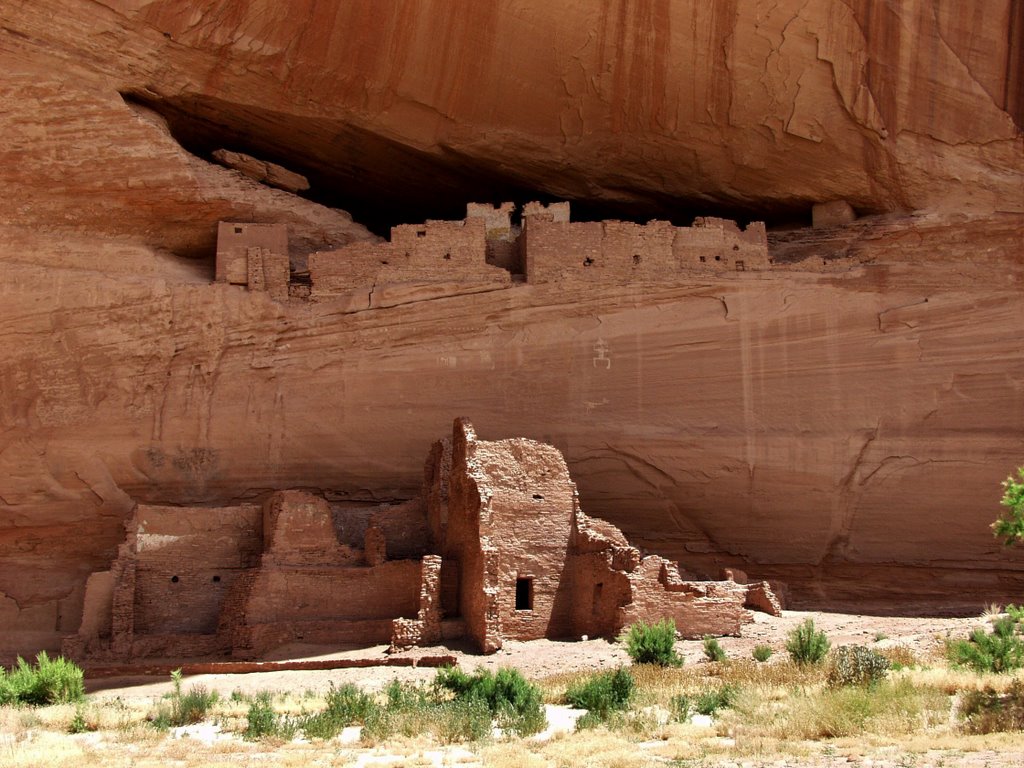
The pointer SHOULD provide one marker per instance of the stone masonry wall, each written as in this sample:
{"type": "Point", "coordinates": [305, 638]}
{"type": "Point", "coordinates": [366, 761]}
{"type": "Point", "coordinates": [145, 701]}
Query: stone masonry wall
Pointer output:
{"type": "Point", "coordinates": [254, 255]}
{"type": "Point", "coordinates": [434, 252]}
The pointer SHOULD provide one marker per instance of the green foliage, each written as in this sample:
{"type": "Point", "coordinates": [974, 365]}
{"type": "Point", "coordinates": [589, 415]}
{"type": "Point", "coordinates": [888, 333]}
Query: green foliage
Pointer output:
{"type": "Point", "coordinates": [806, 645]}
{"type": "Point", "coordinates": [998, 651]}
{"type": "Point", "coordinates": [856, 665]}
{"type": "Point", "coordinates": [762, 652]}
{"type": "Point", "coordinates": [709, 702]}
{"type": "Point", "coordinates": [346, 706]}
{"type": "Point", "coordinates": [681, 707]}
{"type": "Point", "coordinates": [653, 644]}
{"type": "Point", "coordinates": [78, 723]}
{"type": "Point", "coordinates": [261, 720]}
{"type": "Point", "coordinates": [49, 681]}
{"type": "Point", "coordinates": [1010, 525]}
{"type": "Point", "coordinates": [988, 712]}
{"type": "Point", "coordinates": [602, 694]}
{"type": "Point", "coordinates": [1015, 612]}
{"type": "Point", "coordinates": [414, 710]}
{"type": "Point", "coordinates": [516, 704]}
{"type": "Point", "coordinates": [184, 708]}
{"type": "Point", "coordinates": [713, 651]}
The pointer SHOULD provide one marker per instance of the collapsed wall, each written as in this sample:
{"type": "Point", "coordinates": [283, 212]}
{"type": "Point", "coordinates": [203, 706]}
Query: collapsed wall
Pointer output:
{"type": "Point", "coordinates": [496, 548]}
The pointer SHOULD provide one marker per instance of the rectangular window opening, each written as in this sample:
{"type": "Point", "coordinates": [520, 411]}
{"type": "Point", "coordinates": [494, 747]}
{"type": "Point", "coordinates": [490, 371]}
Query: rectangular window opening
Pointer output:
{"type": "Point", "coordinates": [524, 594]}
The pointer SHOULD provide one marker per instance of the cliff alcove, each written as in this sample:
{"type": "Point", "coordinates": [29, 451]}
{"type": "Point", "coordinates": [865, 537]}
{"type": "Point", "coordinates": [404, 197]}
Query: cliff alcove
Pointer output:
{"type": "Point", "coordinates": [838, 420]}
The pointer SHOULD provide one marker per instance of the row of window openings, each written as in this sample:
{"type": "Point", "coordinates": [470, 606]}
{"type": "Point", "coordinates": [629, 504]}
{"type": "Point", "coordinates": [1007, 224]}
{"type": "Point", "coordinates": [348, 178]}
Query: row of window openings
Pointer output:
{"type": "Point", "coordinates": [740, 266]}
{"type": "Point", "coordinates": [175, 579]}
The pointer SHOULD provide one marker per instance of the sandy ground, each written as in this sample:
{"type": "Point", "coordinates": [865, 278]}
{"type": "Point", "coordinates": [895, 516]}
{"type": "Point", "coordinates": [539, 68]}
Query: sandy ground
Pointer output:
{"type": "Point", "coordinates": [207, 747]}
{"type": "Point", "coordinates": [540, 658]}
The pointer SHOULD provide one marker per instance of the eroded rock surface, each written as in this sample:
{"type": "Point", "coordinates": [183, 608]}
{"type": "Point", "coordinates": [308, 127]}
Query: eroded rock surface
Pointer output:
{"type": "Point", "coordinates": [840, 421]}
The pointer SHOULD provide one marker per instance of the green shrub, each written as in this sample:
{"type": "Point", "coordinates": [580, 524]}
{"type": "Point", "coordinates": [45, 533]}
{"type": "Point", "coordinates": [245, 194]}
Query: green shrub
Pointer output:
{"type": "Point", "coordinates": [806, 645]}
{"type": "Point", "coordinates": [516, 704]}
{"type": "Point", "coordinates": [653, 644]}
{"type": "Point", "coordinates": [681, 707]}
{"type": "Point", "coordinates": [412, 711]}
{"type": "Point", "coordinates": [603, 693]}
{"type": "Point", "coordinates": [184, 708]}
{"type": "Point", "coordinates": [989, 712]}
{"type": "Point", "coordinates": [1009, 526]}
{"type": "Point", "coordinates": [78, 723]}
{"type": "Point", "coordinates": [709, 702]}
{"type": "Point", "coordinates": [346, 706]}
{"type": "Point", "coordinates": [713, 651]}
{"type": "Point", "coordinates": [762, 652]}
{"type": "Point", "coordinates": [998, 651]}
{"type": "Point", "coordinates": [856, 665]}
{"type": "Point", "coordinates": [49, 681]}
{"type": "Point", "coordinates": [261, 720]}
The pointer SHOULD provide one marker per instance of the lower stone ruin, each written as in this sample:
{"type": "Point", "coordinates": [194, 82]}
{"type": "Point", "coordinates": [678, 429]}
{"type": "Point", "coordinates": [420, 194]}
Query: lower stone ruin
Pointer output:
{"type": "Point", "coordinates": [495, 548]}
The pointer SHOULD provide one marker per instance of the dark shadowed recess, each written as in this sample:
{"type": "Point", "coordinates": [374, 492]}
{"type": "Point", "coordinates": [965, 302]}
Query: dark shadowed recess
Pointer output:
{"type": "Point", "coordinates": [383, 183]}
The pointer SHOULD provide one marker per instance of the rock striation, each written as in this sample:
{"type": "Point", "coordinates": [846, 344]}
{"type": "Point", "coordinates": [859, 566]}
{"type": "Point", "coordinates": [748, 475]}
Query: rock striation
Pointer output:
{"type": "Point", "coordinates": [839, 419]}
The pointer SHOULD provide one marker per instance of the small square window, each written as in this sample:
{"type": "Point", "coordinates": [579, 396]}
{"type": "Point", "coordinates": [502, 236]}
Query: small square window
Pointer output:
{"type": "Point", "coordinates": [238, 230]}
{"type": "Point", "coordinates": [524, 594]}
{"type": "Point", "coordinates": [703, 259]}
{"type": "Point", "coordinates": [740, 266]}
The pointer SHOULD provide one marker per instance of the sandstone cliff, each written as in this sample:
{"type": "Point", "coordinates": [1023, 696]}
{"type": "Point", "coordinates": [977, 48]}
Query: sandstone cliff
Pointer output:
{"type": "Point", "coordinates": [841, 423]}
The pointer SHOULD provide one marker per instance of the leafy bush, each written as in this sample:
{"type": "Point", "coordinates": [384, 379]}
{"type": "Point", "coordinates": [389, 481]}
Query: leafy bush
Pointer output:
{"type": "Point", "coordinates": [856, 665]}
{"type": "Point", "coordinates": [517, 704]}
{"type": "Point", "coordinates": [346, 706]}
{"type": "Point", "coordinates": [1000, 651]}
{"type": "Point", "coordinates": [762, 653]}
{"type": "Point", "coordinates": [184, 708]}
{"type": "Point", "coordinates": [603, 693]}
{"type": "Point", "coordinates": [709, 702]}
{"type": "Point", "coordinates": [713, 651]}
{"type": "Point", "coordinates": [262, 721]}
{"type": "Point", "coordinates": [49, 681]}
{"type": "Point", "coordinates": [653, 644]}
{"type": "Point", "coordinates": [806, 645]}
{"type": "Point", "coordinates": [1010, 525]}
{"type": "Point", "coordinates": [989, 712]}
{"type": "Point", "coordinates": [412, 711]}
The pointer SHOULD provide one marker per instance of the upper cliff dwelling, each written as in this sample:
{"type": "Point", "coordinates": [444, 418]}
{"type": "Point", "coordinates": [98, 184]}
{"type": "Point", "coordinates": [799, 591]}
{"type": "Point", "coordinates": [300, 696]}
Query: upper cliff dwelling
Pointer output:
{"type": "Point", "coordinates": [484, 252]}
{"type": "Point", "coordinates": [494, 548]}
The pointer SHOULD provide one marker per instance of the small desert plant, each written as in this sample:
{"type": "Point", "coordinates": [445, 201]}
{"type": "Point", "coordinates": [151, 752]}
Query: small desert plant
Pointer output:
{"type": "Point", "coordinates": [806, 645]}
{"type": "Point", "coordinates": [880, 636]}
{"type": "Point", "coordinates": [998, 651]}
{"type": "Point", "coordinates": [653, 644]}
{"type": "Point", "coordinates": [713, 651]}
{"type": "Point", "coordinates": [261, 720]}
{"type": "Point", "coordinates": [78, 723]}
{"type": "Point", "coordinates": [517, 704]}
{"type": "Point", "coordinates": [185, 707]}
{"type": "Point", "coordinates": [988, 711]}
{"type": "Point", "coordinates": [49, 681]}
{"type": "Point", "coordinates": [762, 653]}
{"type": "Point", "coordinates": [413, 710]}
{"type": "Point", "coordinates": [681, 707]}
{"type": "Point", "coordinates": [709, 702]}
{"type": "Point", "coordinates": [346, 706]}
{"type": "Point", "coordinates": [602, 694]}
{"type": "Point", "coordinates": [856, 665]}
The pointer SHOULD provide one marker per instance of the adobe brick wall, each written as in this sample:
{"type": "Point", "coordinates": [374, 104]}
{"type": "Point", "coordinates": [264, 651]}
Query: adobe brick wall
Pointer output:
{"type": "Point", "coordinates": [267, 242]}
{"type": "Point", "coordinates": [431, 253]}
{"type": "Point", "coordinates": [557, 250]}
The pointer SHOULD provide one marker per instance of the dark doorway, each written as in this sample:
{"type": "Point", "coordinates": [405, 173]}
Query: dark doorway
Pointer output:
{"type": "Point", "coordinates": [524, 594]}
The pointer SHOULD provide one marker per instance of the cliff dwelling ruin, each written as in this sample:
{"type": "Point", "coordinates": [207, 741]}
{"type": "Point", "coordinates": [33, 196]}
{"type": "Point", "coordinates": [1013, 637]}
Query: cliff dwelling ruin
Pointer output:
{"type": "Point", "coordinates": [486, 251]}
{"type": "Point", "coordinates": [495, 547]}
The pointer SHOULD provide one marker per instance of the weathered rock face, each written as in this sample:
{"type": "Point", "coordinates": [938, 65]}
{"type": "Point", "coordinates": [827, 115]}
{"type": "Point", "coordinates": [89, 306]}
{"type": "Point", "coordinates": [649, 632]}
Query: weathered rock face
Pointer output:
{"type": "Point", "coordinates": [826, 426]}
{"type": "Point", "coordinates": [753, 105]}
